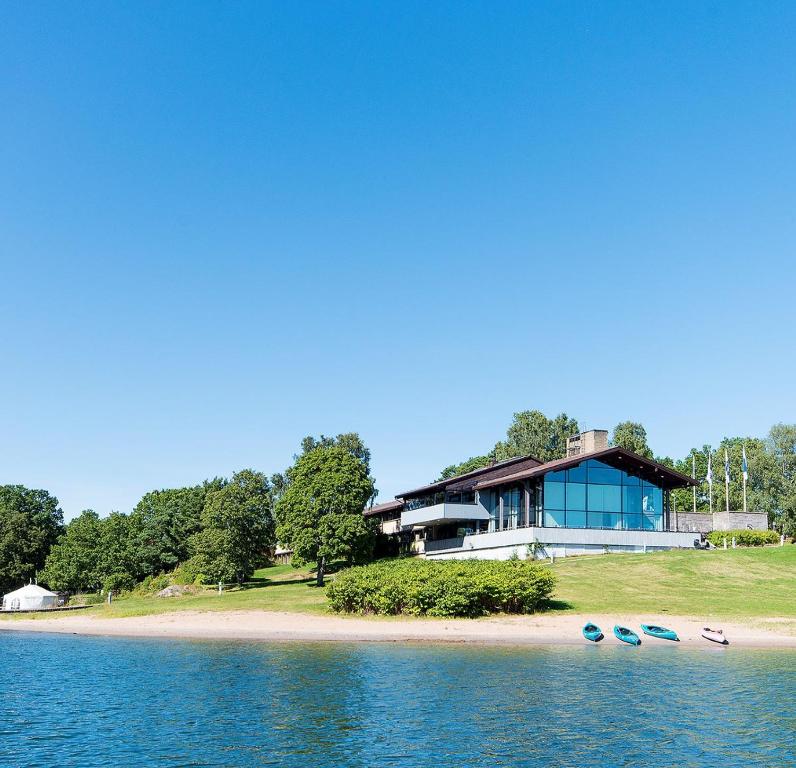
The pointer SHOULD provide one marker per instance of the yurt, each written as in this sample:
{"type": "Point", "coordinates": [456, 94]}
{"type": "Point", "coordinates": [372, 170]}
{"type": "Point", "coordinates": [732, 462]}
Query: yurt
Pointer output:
{"type": "Point", "coordinates": [31, 597]}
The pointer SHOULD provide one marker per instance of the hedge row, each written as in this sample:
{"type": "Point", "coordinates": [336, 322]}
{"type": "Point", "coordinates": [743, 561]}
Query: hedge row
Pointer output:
{"type": "Point", "coordinates": [743, 538]}
{"type": "Point", "coordinates": [442, 587]}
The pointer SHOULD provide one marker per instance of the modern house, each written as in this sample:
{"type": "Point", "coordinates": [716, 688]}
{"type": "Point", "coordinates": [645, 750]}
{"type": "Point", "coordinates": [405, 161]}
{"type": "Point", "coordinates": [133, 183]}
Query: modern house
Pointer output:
{"type": "Point", "coordinates": [595, 499]}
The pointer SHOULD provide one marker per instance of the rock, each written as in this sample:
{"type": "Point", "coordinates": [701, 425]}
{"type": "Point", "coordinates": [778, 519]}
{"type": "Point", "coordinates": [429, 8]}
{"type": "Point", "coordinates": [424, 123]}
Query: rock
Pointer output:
{"type": "Point", "coordinates": [176, 590]}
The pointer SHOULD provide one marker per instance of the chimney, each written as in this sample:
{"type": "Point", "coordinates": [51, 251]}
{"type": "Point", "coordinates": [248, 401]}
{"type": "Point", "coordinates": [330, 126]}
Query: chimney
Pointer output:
{"type": "Point", "coordinates": [587, 442]}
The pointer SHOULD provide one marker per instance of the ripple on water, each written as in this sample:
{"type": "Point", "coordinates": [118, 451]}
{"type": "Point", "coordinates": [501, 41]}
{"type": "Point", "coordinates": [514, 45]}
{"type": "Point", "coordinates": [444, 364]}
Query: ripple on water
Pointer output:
{"type": "Point", "coordinates": [92, 702]}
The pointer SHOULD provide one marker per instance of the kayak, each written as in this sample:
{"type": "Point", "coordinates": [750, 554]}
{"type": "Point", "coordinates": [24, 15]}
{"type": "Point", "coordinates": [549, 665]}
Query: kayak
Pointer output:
{"type": "Point", "coordinates": [715, 635]}
{"type": "Point", "coordinates": [627, 635]}
{"type": "Point", "coordinates": [660, 632]}
{"type": "Point", "coordinates": [592, 632]}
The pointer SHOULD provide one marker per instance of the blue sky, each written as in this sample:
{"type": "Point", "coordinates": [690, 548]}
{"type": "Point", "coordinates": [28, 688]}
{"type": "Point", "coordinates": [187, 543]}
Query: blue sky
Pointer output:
{"type": "Point", "coordinates": [225, 226]}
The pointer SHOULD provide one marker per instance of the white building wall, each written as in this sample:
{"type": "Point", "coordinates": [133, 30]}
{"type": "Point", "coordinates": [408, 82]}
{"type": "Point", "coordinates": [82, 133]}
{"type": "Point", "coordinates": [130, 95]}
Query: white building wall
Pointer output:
{"type": "Point", "coordinates": [558, 542]}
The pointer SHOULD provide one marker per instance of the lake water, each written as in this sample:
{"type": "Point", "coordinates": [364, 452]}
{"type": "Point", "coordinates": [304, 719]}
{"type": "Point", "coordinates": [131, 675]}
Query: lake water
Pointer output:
{"type": "Point", "coordinates": [73, 701]}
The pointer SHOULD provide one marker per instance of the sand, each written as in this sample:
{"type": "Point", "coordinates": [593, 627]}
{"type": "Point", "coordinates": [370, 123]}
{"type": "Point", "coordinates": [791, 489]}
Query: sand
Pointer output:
{"type": "Point", "coordinates": [551, 629]}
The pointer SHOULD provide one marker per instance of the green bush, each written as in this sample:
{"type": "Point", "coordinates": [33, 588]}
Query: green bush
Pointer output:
{"type": "Point", "coordinates": [118, 582]}
{"type": "Point", "coordinates": [152, 584]}
{"type": "Point", "coordinates": [743, 538]}
{"type": "Point", "coordinates": [442, 587]}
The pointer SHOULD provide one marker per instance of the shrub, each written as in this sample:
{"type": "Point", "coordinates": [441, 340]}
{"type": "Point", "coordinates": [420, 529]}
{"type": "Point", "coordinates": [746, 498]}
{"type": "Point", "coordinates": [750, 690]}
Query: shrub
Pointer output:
{"type": "Point", "coordinates": [743, 538]}
{"type": "Point", "coordinates": [442, 587]}
{"type": "Point", "coordinates": [152, 584]}
{"type": "Point", "coordinates": [118, 582]}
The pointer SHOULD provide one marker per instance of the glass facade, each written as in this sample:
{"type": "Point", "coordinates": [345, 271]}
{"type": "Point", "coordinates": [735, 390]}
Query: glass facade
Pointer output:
{"type": "Point", "coordinates": [594, 495]}
{"type": "Point", "coordinates": [457, 497]}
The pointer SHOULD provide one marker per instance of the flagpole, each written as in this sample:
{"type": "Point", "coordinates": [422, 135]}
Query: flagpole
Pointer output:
{"type": "Point", "coordinates": [745, 470]}
{"type": "Point", "coordinates": [693, 475]}
{"type": "Point", "coordinates": [710, 482]}
{"type": "Point", "coordinates": [726, 480]}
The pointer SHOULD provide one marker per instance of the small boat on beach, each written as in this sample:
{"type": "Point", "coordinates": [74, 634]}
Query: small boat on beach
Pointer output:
{"type": "Point", "coordinates": [660, 632]}
{"type": "Point", "coordinates": [626, 635]}
{"type": "Point", "coordinates": [592, 632]}
{"type": "Point", "coordinates": [715, 636]}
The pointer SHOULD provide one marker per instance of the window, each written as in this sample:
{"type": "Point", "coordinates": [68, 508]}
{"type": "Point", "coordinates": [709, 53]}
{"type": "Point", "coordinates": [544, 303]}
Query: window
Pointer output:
{"type": "Point", "coordinates": [576, 496]}
{"type": "Point", "coordinates": [554, 495]}
{"type": "Point", "coordinates": [595, 495]}
{"type": "Point", "coordinates": [511, 507]}
{"type": "Point", "coordinates": [553, 518]}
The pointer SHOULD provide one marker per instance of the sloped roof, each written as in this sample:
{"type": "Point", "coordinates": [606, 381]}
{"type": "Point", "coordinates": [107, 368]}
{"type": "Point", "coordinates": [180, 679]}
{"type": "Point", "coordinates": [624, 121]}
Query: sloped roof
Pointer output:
{"type": "Point", "coordinates": [460, 482]}
{"type": "Point", "coordinates": [620, 458]}
{"type": "Point", "coordinates": [31, 590]}
{"type": "Point", "coordinates": [387, 506]}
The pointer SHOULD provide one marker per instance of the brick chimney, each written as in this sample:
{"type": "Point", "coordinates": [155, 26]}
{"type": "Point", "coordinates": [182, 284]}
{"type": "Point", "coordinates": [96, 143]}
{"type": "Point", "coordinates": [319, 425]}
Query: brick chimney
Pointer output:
{"type": "Point", "coordinates": [587, 442]}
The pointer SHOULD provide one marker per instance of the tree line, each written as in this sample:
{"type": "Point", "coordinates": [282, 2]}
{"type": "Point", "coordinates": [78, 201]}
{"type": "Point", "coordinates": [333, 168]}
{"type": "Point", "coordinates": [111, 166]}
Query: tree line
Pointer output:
{"type": "Point", "coordinates": [771, 487]}
{"type": "Point", "coordinates": [218, 530]}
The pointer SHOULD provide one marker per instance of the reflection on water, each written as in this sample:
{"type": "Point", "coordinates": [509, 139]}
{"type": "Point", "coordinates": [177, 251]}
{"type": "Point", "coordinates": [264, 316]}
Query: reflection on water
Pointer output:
{"type": "Point", "coordinates": [112, 702]}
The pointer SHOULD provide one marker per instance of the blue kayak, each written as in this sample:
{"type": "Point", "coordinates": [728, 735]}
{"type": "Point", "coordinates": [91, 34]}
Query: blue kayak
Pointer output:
{"type": "Point", "coordinates": [661, 632]}
{"type": "Point", "coordinates": [592, 632]}
{"type": "Point", "coordinates": [627, 635]}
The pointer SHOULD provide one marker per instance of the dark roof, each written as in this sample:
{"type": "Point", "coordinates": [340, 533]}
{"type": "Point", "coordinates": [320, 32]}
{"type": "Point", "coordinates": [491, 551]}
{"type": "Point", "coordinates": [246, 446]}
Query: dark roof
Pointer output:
{"type": "Point", "coordinates": [620, 458]}
{"type": "Point", "coordinates": [387, 506]}
{"type": "Point", "coordinates": [470, 479]}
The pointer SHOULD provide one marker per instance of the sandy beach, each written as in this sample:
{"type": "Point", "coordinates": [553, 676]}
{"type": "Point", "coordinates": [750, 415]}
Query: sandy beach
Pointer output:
{"type": "Point", "coordinates": [498, 630]}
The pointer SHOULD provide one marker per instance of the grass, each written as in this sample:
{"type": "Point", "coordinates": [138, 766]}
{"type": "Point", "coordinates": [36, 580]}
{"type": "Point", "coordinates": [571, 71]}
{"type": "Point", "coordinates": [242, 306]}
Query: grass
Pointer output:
{"type": "Point", "coordinates": [741, 583]}
{"type": "Point", "coordinates": [278, 588]}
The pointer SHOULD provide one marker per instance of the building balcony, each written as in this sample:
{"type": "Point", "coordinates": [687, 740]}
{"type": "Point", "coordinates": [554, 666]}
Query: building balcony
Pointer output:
{"type": "Point", "coordinates": [443, 513]}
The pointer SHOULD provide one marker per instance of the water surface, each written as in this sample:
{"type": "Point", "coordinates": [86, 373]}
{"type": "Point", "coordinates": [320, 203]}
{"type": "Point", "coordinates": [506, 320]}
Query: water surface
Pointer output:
{"type": "Point", "coordinates": [77, 701]}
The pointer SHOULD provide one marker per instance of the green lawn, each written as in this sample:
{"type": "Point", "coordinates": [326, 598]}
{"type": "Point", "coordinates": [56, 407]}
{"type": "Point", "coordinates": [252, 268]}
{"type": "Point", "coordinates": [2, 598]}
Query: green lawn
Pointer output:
{"type": "Point", "coordinates": [278, 588]}
{"type": "Point", "coordinates": [741, 583]}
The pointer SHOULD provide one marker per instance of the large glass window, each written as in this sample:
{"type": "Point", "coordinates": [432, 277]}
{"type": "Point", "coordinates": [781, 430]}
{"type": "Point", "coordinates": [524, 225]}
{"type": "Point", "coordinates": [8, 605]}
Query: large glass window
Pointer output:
{"type": "Point", "coordinates": [512, 498]}
{"type": "Point", "coordinates": [595, 495]}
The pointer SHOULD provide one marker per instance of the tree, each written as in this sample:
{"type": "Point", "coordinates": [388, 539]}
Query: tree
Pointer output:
{"type": "Point", "coordinates": [238, 529]}
{"type": "Point", "coordinates": [631, 436]}
{"type": "Point", "coordinates": [72, 563]}
{"type": "Point", "coordinates": [473, 463]}
{"type": "Point", "coordinates": [319, 516]}
{"type": "Point", "coordinates": [92, 553]}
{"type": "Point", "coordinates": [30, 523]}
{"type": "Point", "coordinates": [782, 443]}
{"type": "Point", "coordinates": [163, 522]}
{"type": "Point", "coordinates": [531, 433]}
{"type": "Point", "coordinates": [350, 441]}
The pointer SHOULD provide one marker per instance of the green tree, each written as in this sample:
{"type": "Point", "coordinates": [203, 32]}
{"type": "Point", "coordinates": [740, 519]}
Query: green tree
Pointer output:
{"type": "Point", "coordinates": [72, 563]}
{"type": "Point", "coordinates": [350, 441]}
{"type": "Point", "coordinates": [238, 528]}
{"type": "Point", "coordinates": [531, 433]}
{"type": "Point", "coordinates": [473, 463]}
{"type": "Point", "coordinates": [92, 553]}
{"type": "Point", "coordinates": [30, 523]}
{"type": "Point", "coordinates": [631, 436]}
{"type": "Point", "coordinates": [163, 522]}
{"type": "Point", "coordinates": [319, 516]}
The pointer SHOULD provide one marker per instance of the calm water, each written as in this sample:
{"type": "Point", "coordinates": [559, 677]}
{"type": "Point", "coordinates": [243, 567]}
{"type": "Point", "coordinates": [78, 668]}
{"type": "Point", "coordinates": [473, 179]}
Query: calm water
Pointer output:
{"type": "Point", "coordinates": [112, 702]}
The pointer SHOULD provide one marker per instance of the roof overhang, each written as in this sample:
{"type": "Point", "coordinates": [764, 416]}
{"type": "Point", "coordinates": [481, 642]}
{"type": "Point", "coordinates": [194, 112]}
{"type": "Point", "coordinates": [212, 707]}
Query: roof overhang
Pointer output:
{"type": "Point", "coordinates": [620, 458]}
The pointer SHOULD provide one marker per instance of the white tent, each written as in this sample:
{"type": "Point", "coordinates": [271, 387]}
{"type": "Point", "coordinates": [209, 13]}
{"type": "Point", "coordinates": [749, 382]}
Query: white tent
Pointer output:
{"type": "Point", "coordinates": [31, 597]}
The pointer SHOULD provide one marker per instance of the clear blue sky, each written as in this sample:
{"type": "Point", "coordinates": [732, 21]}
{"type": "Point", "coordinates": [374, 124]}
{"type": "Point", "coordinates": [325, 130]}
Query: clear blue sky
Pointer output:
{"type": "Point", "coordinates": [225, 226]}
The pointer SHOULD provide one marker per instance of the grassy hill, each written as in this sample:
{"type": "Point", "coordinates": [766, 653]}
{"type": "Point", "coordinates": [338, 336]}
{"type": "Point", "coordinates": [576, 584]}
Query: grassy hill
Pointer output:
{"type": "Point", "coordinates": [741, 583]}
{"type": "Point", "coordinates": [752, 582]}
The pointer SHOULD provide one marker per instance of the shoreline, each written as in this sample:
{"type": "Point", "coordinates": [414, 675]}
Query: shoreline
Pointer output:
{"type": "Point", "coordinates": [533, 630]}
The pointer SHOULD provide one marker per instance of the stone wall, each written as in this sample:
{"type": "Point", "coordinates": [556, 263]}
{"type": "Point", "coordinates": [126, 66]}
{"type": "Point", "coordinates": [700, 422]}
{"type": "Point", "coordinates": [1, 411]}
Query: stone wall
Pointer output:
{"type": "Point", "coordinates": [693, 521]}
{"type": "Point", "coordinates": [734, 521]}
{"type": "Point", "coordinates": [702, 522]}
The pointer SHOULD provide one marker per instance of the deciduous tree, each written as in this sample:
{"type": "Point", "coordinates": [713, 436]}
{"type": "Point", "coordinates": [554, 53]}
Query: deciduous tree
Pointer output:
{"type": "Point", "coordinates": [30, 523]}
{"type": "Point", "coordinates": [319, 516]}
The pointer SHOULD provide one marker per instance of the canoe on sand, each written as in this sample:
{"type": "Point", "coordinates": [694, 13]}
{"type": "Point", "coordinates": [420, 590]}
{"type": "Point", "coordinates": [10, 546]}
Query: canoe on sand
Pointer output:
{"type": "Point", "coordinates": [653, 630]}
{"type": "Point", "coordinates": [592, 632]}
{"type": "Point", "coordinates": [627, 635]}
